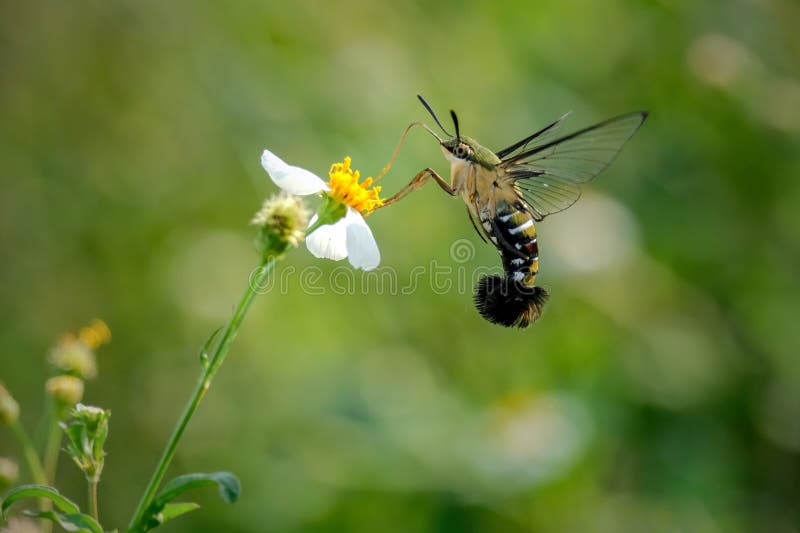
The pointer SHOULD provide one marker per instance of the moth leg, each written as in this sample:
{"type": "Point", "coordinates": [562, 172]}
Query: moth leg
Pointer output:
{"type": "Point", "coordinates": [419, 180]}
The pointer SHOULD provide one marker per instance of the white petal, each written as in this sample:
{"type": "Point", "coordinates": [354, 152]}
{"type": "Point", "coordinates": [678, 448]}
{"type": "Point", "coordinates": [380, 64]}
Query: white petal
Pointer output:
{"type": "Point", "coordinates": [294, 180]}
{"type": "Point", "coordinates": [361, 246]}
{"type": "Point", "coordinates": [328, 241]}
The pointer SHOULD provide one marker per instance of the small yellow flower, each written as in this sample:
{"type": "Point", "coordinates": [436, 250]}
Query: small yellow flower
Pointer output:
{"type": "Point", "coordinates": [9, 408]}
{"type": "Point", "coordinates": [9, 472]}
{"type": "Point", "coordinates": [95, 334]}
{"type": "Point", "coordinates": [346, 189]}
{"type": "Point", "coordinates": [72, 356]}
{"type": "Point", "coordinates": [17, 524]}
{"type": "Point", "coordinates": [65, 390]}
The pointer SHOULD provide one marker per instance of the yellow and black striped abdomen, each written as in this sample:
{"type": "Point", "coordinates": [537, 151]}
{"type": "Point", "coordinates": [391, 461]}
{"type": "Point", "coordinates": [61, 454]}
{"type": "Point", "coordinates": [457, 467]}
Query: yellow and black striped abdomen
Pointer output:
{"type": "Point", "coordinates": [518, 230]}
{"type": "Point", "coordinates": [513, 299]}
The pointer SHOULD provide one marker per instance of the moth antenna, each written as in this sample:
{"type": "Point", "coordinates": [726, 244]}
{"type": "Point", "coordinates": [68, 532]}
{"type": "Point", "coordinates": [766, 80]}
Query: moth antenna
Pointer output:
{"type": "Point", "coordinates": [430, 110]}
{"type": "Point", "coordinates": [455, 123]}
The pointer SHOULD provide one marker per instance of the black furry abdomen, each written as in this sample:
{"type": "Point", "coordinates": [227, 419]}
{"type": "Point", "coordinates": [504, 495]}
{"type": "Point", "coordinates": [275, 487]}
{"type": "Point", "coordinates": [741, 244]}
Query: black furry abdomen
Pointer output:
{"type": "Point", "coordinates": [501, 300]}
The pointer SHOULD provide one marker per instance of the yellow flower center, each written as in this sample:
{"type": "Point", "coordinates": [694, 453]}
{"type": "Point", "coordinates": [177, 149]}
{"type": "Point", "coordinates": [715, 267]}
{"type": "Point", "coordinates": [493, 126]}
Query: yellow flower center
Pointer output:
{"type": "Point", "coordinates": [346, 189]}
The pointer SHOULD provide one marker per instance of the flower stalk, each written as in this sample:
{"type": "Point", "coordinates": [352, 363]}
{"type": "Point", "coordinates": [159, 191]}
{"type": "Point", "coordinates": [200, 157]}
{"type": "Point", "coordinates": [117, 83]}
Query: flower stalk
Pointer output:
{"type": "Point", "coordinates": [52, 447]}
{"type": "Point", "coordinates": [29, 452]}
{"type": "Point", "coordinates": [215, 361]}
{"type": "Point", "coordinates": [63, 391]}
{"type": "Point", "coordinates": [92, 499]}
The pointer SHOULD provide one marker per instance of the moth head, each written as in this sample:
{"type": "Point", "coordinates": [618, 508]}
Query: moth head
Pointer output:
{"type": "Point", "coordinates": [459, 148]}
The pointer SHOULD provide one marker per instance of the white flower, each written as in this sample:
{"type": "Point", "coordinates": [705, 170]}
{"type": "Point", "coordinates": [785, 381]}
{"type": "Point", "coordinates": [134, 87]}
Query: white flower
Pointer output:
{"type": "Point", "coordinates": [349, 236]}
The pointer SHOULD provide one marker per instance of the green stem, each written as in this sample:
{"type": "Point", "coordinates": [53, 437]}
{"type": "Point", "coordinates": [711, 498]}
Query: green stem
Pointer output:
{"type": "Point", "coordinates": [34, 464]}
{"type": "Point", "coordinates": [52, 447]}
{"type": "Point", "coordinates": [215, 361]}
{"type": "Point", "coordinates": [315, 226]}
{"type": "Point", "coordinates": [93, 499]}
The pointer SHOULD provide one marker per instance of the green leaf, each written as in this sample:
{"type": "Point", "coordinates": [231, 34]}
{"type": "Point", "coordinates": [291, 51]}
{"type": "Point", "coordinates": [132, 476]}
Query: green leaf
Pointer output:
{"type": "Point", "coordinates": [228, 486]}
{"type": "Point", "coordinates": [160, 510]}
{"type": "Point", "coordinates": [62, 503]}
{"type": "Point", "coordinates": [77, 443]}
{"type": "Point", "coordinates": [174, 510]}
{"type": "Point", "coordinates": [207, 346]}
{"type": "Point", "coordinates": [70, 522]}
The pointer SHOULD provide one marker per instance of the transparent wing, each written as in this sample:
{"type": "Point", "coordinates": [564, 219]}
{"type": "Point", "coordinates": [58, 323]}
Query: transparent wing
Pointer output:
{"type": "Point", "coordinates": [533, 140]}
{"type": "Point", "coordinates": [548, 176]}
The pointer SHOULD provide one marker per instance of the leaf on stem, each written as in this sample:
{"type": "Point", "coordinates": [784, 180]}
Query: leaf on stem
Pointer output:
{"type": "Point", "coordinates": [69, 522]}
{"type": "Point", "coordinates": [23, 492]}
{"type": "Point", "coordinates": [207, 347]}
{"type": "Point", "coordinates": [174, 510]}
{"type": "Point", "coordinates": [161, 510]}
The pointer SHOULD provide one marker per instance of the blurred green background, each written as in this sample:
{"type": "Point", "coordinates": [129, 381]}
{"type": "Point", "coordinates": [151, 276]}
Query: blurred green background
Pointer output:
{"type": "Point", "coordinates": [661, 390]}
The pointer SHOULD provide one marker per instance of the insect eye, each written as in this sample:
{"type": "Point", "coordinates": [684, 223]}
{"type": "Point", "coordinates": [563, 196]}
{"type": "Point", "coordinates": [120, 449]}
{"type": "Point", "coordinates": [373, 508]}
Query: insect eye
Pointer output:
{"type": "Point", "coordinates": [461, 151]}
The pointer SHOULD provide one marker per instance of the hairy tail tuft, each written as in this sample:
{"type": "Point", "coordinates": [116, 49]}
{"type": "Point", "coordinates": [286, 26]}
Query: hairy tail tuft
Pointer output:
{"type": "Point", "coordinates": [501, 300]}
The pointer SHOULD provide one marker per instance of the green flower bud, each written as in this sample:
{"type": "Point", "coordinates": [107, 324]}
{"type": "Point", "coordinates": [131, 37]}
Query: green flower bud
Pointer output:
{"type": "Point", "coordinates": [86, 434]}
{"type": "Point", "coordinates": [95, 418]}
{"type": "Point", "coordinates": [282, 222]}
{"type": "Point", "coordinates": [9, 472]}
{"type": "Point", "coordinates": [65, 390]}
{"type": "Point", "coordinates": [73, 356]}
{"type": "Point", "coordinates": [9, 408]}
